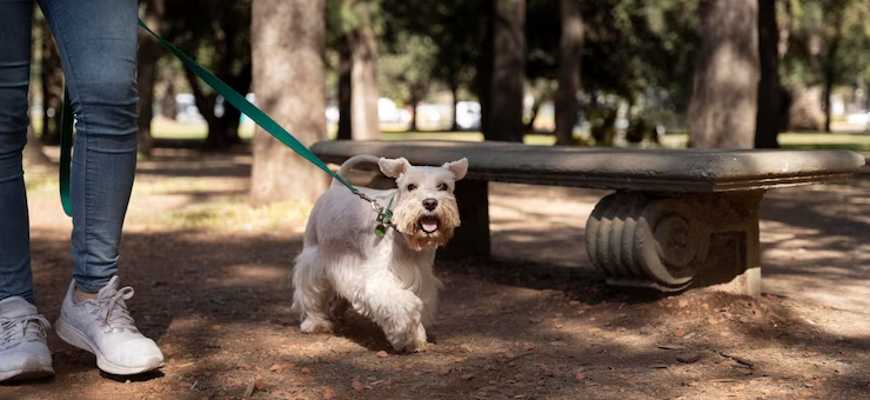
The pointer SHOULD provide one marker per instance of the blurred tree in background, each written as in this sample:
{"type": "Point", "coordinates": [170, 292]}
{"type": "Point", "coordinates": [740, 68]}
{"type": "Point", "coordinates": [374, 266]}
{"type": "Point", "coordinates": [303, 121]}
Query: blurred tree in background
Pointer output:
{"type": "Point", "coordinates": [353, 27]}
{"type": "Point", "coordinates": [219, 38]}
{"type": "Point", "coordinates": [603, 72]}
{"type": "Point", "coordinates": [288, 41]}
{"type": "Point", "coordinates": [150, 53]}
{"type": "Point", "coordinates": [827, 44]}
{"type": "Point", "coordinates": [723, 107]}
{"type": "Point", "coordinates": [416, 38]}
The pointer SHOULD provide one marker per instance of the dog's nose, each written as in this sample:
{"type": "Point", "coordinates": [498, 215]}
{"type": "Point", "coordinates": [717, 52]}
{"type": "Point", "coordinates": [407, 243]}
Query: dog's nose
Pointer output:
{"type": "Point", "coordinates": [430, 204]}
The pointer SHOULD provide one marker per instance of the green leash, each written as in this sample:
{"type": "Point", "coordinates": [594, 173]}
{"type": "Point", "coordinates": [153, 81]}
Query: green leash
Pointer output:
{"type": "Point", "coordinates": [66, 129]}
{"type": "Point", "coordinates": [230, 95]}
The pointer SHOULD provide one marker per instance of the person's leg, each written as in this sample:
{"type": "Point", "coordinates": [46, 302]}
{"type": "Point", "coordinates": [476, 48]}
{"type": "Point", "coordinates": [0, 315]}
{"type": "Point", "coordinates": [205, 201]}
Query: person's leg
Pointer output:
{"type": "Point", "coordinates": [15, 22]}
{"type": "Point", "coordinates": [97, 42]}
{"type": "Point", "coordinates": [23, 350]}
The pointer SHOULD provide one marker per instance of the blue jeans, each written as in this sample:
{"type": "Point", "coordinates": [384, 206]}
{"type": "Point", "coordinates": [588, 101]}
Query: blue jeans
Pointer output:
{"type": "Point", "coordinates": [97, 42]}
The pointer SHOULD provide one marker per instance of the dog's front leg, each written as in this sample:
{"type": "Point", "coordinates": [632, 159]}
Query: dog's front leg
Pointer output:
{"type": "Point", "coordinates": [396, 310]}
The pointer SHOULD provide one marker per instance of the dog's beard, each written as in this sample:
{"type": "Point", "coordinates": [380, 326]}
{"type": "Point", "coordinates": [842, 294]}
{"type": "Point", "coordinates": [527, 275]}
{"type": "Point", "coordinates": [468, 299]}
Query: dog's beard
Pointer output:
{"type": "Point", "coordinates": [427, 229]}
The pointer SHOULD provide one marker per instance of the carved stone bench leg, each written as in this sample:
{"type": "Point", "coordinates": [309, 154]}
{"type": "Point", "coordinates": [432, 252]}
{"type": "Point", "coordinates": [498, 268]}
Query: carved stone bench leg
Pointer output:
{"type": "Point", "coordinates": [673, 242]}
{"type": "Point", "coordinates": [471, 239]}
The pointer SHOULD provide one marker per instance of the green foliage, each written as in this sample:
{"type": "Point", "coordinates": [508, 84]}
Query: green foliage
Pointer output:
{"type": "Point", "coordinates": [406, 70]}
{"type": "Point", "coordinates": [825, 34]}
{"type": "Point", "coordinates": [345, 16]}
{"type": "Point", "coordinates": [443, 36]}
{"type": "Point", "coordinates": [638, 49]}
{"type": "Point", "coordinates": [217, 36]}
{"type": "Point", "coordinates": [641, 52]}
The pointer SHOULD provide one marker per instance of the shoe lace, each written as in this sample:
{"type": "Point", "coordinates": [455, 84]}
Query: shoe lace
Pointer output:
{"type": "Point", "coordinates": [22, 329]}
{"type": "Point", "coordinates": [114, 311]}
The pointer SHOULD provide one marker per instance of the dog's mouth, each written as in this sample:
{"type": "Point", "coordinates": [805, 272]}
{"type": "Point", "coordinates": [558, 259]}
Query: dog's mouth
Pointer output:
{"type": "Point", "coordinates": [428, 224]}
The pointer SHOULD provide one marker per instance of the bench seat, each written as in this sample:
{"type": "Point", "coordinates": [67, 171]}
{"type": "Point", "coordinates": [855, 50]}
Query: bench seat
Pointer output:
{"type": "Point", "coordinates": [677, 218]}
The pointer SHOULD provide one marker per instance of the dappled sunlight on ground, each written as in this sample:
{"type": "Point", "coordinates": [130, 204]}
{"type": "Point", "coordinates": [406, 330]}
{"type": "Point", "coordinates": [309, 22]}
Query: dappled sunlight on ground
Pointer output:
{"type": "Point", "coordinates": [210, 274]}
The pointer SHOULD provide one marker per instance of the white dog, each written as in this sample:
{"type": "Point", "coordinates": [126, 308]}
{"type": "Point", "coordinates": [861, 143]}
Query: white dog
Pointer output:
{"type": "Point", "coordinates": [388, 277]}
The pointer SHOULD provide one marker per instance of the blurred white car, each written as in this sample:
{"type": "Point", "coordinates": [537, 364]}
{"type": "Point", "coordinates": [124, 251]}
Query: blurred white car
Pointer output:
{"type": "Point", "coordinates": [468, 114]}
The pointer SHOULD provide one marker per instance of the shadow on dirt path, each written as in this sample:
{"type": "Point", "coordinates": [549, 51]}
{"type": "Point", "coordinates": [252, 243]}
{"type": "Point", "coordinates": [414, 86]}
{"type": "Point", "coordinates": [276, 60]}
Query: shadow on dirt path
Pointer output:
{"type": "Point", "coordinates": [534, 323]}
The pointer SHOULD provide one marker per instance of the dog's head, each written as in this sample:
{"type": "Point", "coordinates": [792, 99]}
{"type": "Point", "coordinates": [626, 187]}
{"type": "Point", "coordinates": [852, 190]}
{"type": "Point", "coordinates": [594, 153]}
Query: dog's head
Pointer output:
{"type": "Point", "coordinates": [425, 210]}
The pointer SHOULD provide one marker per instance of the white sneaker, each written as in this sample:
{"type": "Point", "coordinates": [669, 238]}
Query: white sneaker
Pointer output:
{"type": "Point", "coordinates": [23, 352]}
{"type": "Point", "coordinates": [104, 327]}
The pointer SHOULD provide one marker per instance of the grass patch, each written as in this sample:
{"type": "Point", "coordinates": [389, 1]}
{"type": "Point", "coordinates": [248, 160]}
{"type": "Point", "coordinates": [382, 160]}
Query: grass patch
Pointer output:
{"type": "Point", "coordinates": [40, 178]}
{"type": "Point", "coordinates": [236, 214]}
{"type": "Point", "coordinates": [815, 140]}
{"type": "Point", "coordinates": [168, 129]}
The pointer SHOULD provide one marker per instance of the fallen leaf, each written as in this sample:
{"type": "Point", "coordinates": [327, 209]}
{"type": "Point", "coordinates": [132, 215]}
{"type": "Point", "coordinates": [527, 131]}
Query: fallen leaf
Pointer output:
{"type": "Point", "coordinates": [281, 367]}
{"type": "Point", "coordinates": [743, 363]}
{"type": "Point", "coordinates": [357, 385]}
{"type": "Point", "coordinates": [252, 386]}
{"type": "Point", "coordinates": [688, 358]}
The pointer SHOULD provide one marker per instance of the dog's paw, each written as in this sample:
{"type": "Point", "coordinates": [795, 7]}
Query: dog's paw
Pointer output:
{"type": "Point", "coordinates": [412, 341]}
{"type": "Point", "coordinates": [315, 325]}
{"type": "Point", "coordinates": [420, 347]}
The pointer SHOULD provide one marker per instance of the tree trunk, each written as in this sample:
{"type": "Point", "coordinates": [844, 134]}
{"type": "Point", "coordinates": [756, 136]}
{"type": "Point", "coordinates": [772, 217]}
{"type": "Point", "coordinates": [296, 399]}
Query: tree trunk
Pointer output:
{"type": "Point", "coordinates": [364, 80]}
{"type": "Point", "coordinates": [223, 131]}
{"type": "Point", "coordinates": [505, 119]}
{"type": "Point", "coordinates": [570, 52]}
{"type": "Point", "coordinates": [33, 153]}
{"type": "Point", "coordinates": [722, 108]}
{"type": "Point", "coordinates": [454, 101]}
{"type": "Point", "coordinates": [345, 88]}
{"type": "Point", "coordinates": [415, 101]}
{"type": "Point", "coordinates": [51, 77]}
{"type": "Point", "coordinates": [867, 96]}
{"type": "Point", "coordinates": [826, 98]}
{"type": "Point", "coordinates": [536, 106]}
{"type": "Point", "coordinates": [227, 133]}
{"type": "Point", "coordinates": [168, 106]}
{"type": "Point", "coordinates": [205, 104]}
{"type": "Point", "coordinates": [829, 65]}
{"type": "Point", "coordinates": [829, 77]}
{"type": "Point", "coordinates": [483, 74]}
{"type": "Point", "coordinates": [230, 122]}
{"type": "Point", "coordinates": [147, 75]}
{"type": "Point", "coordinates": [768, 118]}
{"type": "Point", "coordinates": [287, 40]}
{"type": "Point", "coordinates": [149, 54]}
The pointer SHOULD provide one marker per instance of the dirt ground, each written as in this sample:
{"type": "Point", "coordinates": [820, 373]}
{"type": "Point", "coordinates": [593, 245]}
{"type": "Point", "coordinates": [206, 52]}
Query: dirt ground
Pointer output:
{"type": "Point", "coordinates": [211, 280]}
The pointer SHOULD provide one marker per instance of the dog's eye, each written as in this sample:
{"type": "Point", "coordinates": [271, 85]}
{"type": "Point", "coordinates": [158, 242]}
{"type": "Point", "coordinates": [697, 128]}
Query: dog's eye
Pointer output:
{"type": "Point", "coordinates": [411, 187]}
{"type": "Point", "coordinates": [442, 186]}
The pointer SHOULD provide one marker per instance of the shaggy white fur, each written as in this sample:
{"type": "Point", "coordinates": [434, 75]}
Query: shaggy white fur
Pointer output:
{"type": "Point", "coordinates": [388, 279]}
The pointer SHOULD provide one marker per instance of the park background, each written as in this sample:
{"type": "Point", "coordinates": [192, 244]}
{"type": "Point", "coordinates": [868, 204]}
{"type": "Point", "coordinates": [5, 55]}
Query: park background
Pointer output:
{"type": "Point", "coordinates": [219, 207]}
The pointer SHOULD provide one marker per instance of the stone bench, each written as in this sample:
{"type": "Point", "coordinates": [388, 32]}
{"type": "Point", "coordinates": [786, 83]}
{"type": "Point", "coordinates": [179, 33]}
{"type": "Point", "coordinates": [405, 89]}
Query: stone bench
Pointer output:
{"type": "Point", "coordinates": [676, 219]}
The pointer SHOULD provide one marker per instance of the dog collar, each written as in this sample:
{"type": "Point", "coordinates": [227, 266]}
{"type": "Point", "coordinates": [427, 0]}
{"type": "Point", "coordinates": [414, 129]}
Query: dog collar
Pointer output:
{"type": "Point", "coordinates": [385, 219]}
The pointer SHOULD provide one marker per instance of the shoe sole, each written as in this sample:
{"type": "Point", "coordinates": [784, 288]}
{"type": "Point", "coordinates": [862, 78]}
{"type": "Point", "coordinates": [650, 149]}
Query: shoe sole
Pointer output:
{"type": "Point", "coordinates": [29, 372]}
{"type": "Point", "coordinates": [77, 338]}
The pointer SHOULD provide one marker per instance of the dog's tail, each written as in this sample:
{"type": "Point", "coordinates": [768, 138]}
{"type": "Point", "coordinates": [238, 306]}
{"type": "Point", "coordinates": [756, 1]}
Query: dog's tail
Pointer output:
{"type": "Point", "coordinates": [355, 161]}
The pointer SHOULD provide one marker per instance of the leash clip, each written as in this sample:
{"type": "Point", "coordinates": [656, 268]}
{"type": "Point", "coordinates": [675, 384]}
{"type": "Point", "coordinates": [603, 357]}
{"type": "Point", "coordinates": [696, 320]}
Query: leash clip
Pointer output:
{"type": "Point", "coordinates": [384, 214]}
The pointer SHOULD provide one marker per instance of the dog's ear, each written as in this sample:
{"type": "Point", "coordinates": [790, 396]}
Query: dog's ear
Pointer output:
{"type": "Point", "coordinates": [459, 168]}
{"type": "Point", "coordinates": [393, 167]}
